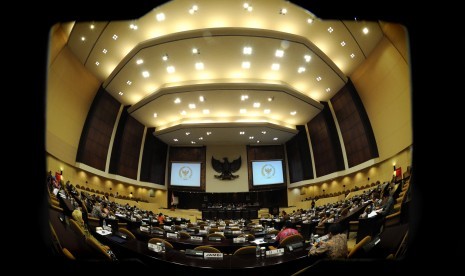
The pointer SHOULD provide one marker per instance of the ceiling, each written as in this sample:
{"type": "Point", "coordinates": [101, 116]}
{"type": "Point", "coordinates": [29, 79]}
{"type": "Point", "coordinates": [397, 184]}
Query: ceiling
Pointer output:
{"type": "Point", "coordinates": [224, 72]}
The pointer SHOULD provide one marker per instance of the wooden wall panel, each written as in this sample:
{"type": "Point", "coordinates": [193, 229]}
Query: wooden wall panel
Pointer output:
{"type": "Point", "coordinates": [153, 159]}
{"type": "Point", "coordinates": [96, 134]}
{"type": "Point", "coordinates": [326, 146]}
{"type": "Point", "coordinates": [359, 140]}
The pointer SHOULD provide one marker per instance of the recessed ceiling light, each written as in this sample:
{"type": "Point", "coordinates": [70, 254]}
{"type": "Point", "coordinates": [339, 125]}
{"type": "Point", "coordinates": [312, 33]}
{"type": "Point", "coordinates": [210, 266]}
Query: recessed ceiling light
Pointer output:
{"type": "Point", "coordinates": [275, 66]}
{"type": "Point", "coordinates": [270, 99]}
{"type": "Point", "coordinates": [206, 111]}
{"type": "Point", "coordinates": [247, 50]}
{"type": "Point", "coordinates": [275, 138]}
{"type": "Point", "coordinates": [170, 69]}
{"type": "Point", "coordinates": [301, 69]}
{"type": "Point", "coordinates": [145, 74]}
{"type": "Point", "coordinates": [249, 8]}
{"type": "Point", "coordinates": [279, 53]}
{"type": "Point", "coordinates": [352, 55]}
{"type": "Point", "coordinates": [343, 43]}
{"type": "Point", "coordinates": [209, 132]}
{"type": "Point", "coordinates": [139, 61]}
{"type": "Point", "coordinates": [160, 16]}
{"type": "Point", "coordinates": [330, 29]}
{"type": "Point", "coordinates": [242, 110]}
{"type": "Point", "coordinates": [199, 66]}
{"type": "Point", "coordinates": [258, 141]}
{"type": "Point", "coordinates": [177, 100]}
{"type": "Point", "coordinates": [283, 11]}
{"type": "Point", "coordinates": [175, 139]}
{"type": "Point", "coordinates": [120, 93]}
{"type": "Point", "coordinates": [256, 105]}
{"type": "Point", "coordinates": [187, 133]}
{"type": "Point", "coordinates": [246, 5]}
{"type": "Point", "coordinates": [310, 20]}
{"type": "Point", "coordinates": [133, 26]}
{"type": "Point", "coordinates": [115, 37]}
{"type": "Point", "coordinates": [104, 51]}
{"type": "Point", "coordinates": [92, 26]}
{"type": "Point", "coordinates": [192, 142]}
{"type": "Point", "coordinates": [191, 106]}
{"type": "Point", "coordinates": [293, 113]}
{"type": "Point", "coordinates": [164, 57]}
{"type": "Point", "coordinates": [200, 138]}
{"type": "Point", "coordinates": [365, 30]}
{"type": "Point", "coordinates": [194, 9]}
{"type": "Point", "coordinates": [318, 78]}
{"type": "Point", "coordinates": [195, 51]}
{"type": "Point", "coordinates": [83, 38]}
{"type": "Point", "coordinates": [155, 115]}
{"type": "Point", "coordinates": [263, 132]}
{"type": "Point", "coordinates": [328, 89]}
{"type": "Point", "coordinates": [266, 111]}
{"type": "Point", "coordinates": [244, 97]}
{"type": "Point", "coordinates": [129, 82]}
{"type": "Point", "coordinates": [241, 132]}
{"type": "Point", "coordinates": [201, 98]}
{"type": "Point", "coordinates": [250, 137]}
{"type": "Point", "coordinates": [183, 113]}
{"type": "Point", "coordinates": [246, 64]}
{"type": "Point", "coordinates": [97, 63]}
{"type": "Point", "coordinates": [307, 58]}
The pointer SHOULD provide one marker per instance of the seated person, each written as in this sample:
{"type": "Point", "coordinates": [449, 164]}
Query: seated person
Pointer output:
{"type": "Point", "coordinates": [287, 230]}
{"type": "Point", "coordinates": [77, 216]}
{"type": "Point", "coordinates": [387, 204]}
{"type": "Point", "coordinates": [334, 247]}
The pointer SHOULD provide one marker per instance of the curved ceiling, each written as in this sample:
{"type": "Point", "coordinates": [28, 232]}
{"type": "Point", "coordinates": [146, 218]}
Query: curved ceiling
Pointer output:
{"type": "Point", "coordinates": [246, 72]}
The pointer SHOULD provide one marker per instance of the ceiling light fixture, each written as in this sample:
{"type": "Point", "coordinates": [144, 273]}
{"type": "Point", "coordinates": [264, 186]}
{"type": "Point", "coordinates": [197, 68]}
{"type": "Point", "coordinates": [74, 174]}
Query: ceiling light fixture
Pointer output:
{"type": "Point", "coordinates": [365, 30]}
{"type": "Point", "coordinates": [199, 66]}
{"type": "Point", "coordinates": [155, 115]}
{"type": "Point", "coordinates": [343, 43]}
{"type": "Point", "coordinates": [310, 20]}
{"type": "Point", "coordinates": [160, 16]}
{"type": "Point", "coordinates": [206, 111]}
{"type": "Point", "coordinates": [266, 111]}
{"type": "Point", "coordinates": [256, 105]}
{"type": "Point", "coordinates": [177, 100]}
{"type": "Point", "coordinates": [275, 138]}
{"type": "Point", "coordinates": [195, 51]}
{"type": "Point", "coordinates": [307, 58]}
{"type": "Point", "coordinates": [83, 38]}
{"type": "Point", "coordinates": [97, 63]}
{"type": "Point", "coordinates": [330, 29]}
{"type": "Point", "coordinates": [241, 132]}
{"type": "Point", "coordinates": [283, 11]}
{"type": "Point", "coordinates": [293, 113]}
{"type": "Point", "coordinates": [200, 138]}
{"type": "Point", "coordinates": [201, 98]}
{"type": "Point", "coordinates": [318, 78]}
{"type": "Point", "coordinates": [244, 97]}
{"type": "Point", "coordinates": [129, 82]}
{"type": "Point", "coordinates": [328, 89]}
{"type": "Point", "coordinates": [242, 110]}
{"type": "Point", "coordinates": [145, 74]}
{"type": "Point", "coordinates": [250, 137]}
{"type": "Point", "coordinates": [139, 61]}
{"type": "Point", "coordinates": [187, 133]}
{"type": "Point", "coordinates": [352, 55]}
{"type": "Point", "coordinates": [246, 64]}
{"type": "Point", "coordinates": [115, 37]}
{"type": "Point", "coordinates": [194, 9]}
{"type": "Point", "coordinates": [121, 93]}
{"type": "Point", "coordinates": [247, 50]}
{"type": "Point", "coordinates": [301, 70]}
{"type": "Point", "coordinates": [92, 26]}
{"type": "Point", "coordinates": [192, 142]}
{"type": "Point", "coordinates": [263, 132]}
{"type": "Point", "coordinates": [104, 51]}
{"type": "Point", "coordinates": [164, 57]}
{"type": "Point", "coordinates": [175, 139]}
{"type": "Point", "coordinates": [209, 132]}
{"type": "Point", "coordinates": [275, 66]}
{"type": "Point", "coordinates": [183, 113]}
{"type": "Point", "coordinates": [270, 99]}
{"type": "Point", "coordinates": [133, 26]}
{"type": "Point", "coordinates": [191, 106]}
{"type": "Point", "coordinates": [170, 69]}
{"type": "Point", "coordinates": [279, 53]}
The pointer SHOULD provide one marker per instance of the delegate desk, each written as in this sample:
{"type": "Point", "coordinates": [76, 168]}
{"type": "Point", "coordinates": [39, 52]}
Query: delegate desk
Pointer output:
{"type": "Point", "coordinates": [226, 245]}
{"type": "Point", "coordinates": [177, 261]}
{"type": "Point", "coordinates": [217, 213]}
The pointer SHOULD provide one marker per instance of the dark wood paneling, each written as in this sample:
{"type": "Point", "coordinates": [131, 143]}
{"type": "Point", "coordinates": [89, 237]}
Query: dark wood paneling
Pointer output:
{"type": "Point", "coordinates": [200, 200]}
{"type": "Point", "coordinates": [265, 153]}
{"type": "Point", "coordinates": [153, 159]}
{"type": "Point", "coordinates": [298, 156]}
{"type": "Point", "coordinates": [98, 127]}
{"type": "Point", "coordinates": [326, 146]}
{"type": "Point", "coordinates": [126, 146]}
{"type": "Point", "coordinates": [357, 133]}
{"type": "Point", "coordinates": [188, 154]}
